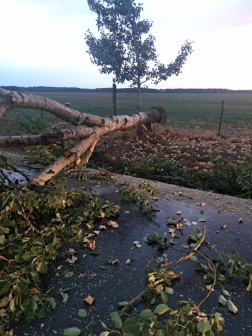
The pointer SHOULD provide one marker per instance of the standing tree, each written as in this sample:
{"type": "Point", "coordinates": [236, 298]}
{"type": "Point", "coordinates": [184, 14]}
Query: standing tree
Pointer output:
{"type": "Point", "coordinates": [124, 50]}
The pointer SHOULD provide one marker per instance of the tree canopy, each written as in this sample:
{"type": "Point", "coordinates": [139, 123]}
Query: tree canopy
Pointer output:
{"type": "Point", "coordinates": [125, 47]}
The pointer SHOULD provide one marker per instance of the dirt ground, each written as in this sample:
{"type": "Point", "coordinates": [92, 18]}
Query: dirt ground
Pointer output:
{"type": "Point", "coordinates": [194, 147]}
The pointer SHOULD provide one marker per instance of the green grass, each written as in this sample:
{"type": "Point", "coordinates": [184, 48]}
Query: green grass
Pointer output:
{"type": "Point", "coordinates": [184, 110]}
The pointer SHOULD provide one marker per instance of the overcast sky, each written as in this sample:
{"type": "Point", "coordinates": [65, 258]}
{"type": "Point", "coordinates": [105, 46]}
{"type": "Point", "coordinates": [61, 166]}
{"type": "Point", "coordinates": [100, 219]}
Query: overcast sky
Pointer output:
{"type": "Point", "coordinates": [42, 42]}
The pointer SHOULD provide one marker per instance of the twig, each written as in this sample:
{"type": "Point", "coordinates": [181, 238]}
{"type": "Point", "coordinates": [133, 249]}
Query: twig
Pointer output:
{"type": "Point", "coordinates": [21, 173]}
{"type": "Point", "coordinates": [213, 269]}
{"type": "Point", "coordinates": [3, 247]}
{"type": "Point", "coordinates": [9, 261]}
{"type": "Point", "coordinates": [150, 262]}
{"type": "Point", "coordinates": [6, 177]}
{"type": "Point", "coordinates": [131, 302]}
{"type": "Point", "coordinates": [32, 227]}
{"type": "Point", "coordinates": [190, 254]}
{"type": "Point", "coordinates": [165, 265]}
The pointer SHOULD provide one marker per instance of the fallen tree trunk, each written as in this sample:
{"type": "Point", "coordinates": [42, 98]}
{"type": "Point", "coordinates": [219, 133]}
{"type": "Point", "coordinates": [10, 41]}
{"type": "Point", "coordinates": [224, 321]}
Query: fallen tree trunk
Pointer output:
{"type": "Point", "coordinates": [86, 127]}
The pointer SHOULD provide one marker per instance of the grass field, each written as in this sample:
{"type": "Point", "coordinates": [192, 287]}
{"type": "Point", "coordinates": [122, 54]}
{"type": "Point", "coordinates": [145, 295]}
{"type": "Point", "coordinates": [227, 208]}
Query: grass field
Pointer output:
{"type": "Point", "coordinates": [184, 110]}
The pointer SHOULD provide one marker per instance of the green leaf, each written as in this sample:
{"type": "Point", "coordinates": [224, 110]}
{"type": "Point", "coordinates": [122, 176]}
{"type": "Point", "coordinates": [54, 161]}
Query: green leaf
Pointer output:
{"type": "Point", "coordinates": [4, 287]}
{"type": "Point", "coordinates": [131, 326]}
{"type": "Point", "coordinates": [52, 302]}
{"type": "Point", "coordinates": [232, 307]}
{"type": "Point", "coordinates": [72, 332]}
{"type": "Point", "coordinates": [68, 274]}
{"type": "Point", "coordinates": [29, 255]}
{"type": "Point", "coordinates": [104, 333]}
{"type": "Point", "coordinates": [104, 325]}
{"type": "Point", "coordinates": [161, 309]}
{"type": "Point", "coordinates": [193, 258]}
{"type": "Point", "coordinates": [222, 300]}
{"type": "Point", "coordinates": [82, 313]}
{"type": "Point", "coordinates": [169, 290]}
{"type": "Point", "coordinates": [225, 292]}
{"type": "Point", "coordinates": [219, 321]}
{"type": "Point", "coordinates": [42, 267]}
{"type": "Point", "coordinates": [21, 287]}
{"type": "Point", "coordinates": [145, 314]}
{"type": "Point", "coordinates": [2, 239]}
{"type": "Point", "coordinates": [202, 219]}
{"type": "Point", "coordinates": [153, 300]}
{"type": "Point", "coordinates": [116, 319]}
{"type": "Point", "coordinates": [164, 296]}
{"type": "Point", "coordinates": [122, 304]}
{"type": "Point", "coordinates": [203, 325]}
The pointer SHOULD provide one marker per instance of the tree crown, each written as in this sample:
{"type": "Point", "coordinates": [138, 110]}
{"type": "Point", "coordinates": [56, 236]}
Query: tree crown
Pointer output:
{"type": "Point", "coordinates": [123, 47]}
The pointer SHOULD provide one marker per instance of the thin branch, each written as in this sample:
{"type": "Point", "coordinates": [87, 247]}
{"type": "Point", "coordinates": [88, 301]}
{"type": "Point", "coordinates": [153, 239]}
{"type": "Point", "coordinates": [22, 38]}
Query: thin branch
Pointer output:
{"type": "Point", "coordinates": [9, 261]}
{"type": "Point", "coordinates": [32, 227]}
{"type": "Point", "coordinates": [5, 177]}
{"type": "Point", "coordinates": [165, 265]}
{"type": "Point", "coordinates": [21, 173]}
{"type": "Point", "coordinates": [213, 269]}
{"type": "Point", "coordinates": [131, 303]}
{"type": "Point", "coordinates": [190, 254]}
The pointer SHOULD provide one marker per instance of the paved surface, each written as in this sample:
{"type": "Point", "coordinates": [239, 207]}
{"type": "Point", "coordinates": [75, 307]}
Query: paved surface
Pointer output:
{"type": "Point", "coordinates": [123, 282]}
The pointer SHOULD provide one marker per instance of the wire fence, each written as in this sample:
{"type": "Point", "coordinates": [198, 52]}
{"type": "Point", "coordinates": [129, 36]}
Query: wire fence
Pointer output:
{"type": "Point", "coordinates": [187, 110]}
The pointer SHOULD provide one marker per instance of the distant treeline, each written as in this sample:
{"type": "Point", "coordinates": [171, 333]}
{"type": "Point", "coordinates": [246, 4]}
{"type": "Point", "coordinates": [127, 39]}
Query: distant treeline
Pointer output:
{"type": "Point", "coordinates": [126, 90]}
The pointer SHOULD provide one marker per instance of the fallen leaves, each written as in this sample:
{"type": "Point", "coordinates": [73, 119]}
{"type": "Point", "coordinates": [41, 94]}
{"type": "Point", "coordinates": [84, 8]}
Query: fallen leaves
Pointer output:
{"type": "Point", "coordinates": [4, 302]}
{"type": "Point", "coordinates": [71, 261]}
{"type": "Point", "coordinates": [90, 243]}
{"type": "Point", "coordinates": [136, 243]}
{"type": "Point", "coordinates": [64, 296]}
{"type": "Point", "coordinates": [3, 312]}
{"type": "Point", "coordinates": [172, 231]}
{"type": "Point", "coordinates": [109, 262]}
{"type": "Point", "coordinates": [178, 212]}
{"type": "Point", "coordinates": [210, 288]}
{"type": "Point", "coordinates": [240, 220]}
{"type": "Point", "coordinates": [89, 300]}
{"type": "Point", "coordinates": [113, 224]}
{"type": "Point", "coordinates": [72, 332]}
{"type": "Point", "coordinates": [82, 313]}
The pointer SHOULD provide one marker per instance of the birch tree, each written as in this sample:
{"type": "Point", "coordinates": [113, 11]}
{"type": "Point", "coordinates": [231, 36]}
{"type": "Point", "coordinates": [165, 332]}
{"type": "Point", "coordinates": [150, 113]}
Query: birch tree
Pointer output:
{"type": "Point", "coordinates": [83, 126]}
{"type": "Point", "coordinates": [125, 47]}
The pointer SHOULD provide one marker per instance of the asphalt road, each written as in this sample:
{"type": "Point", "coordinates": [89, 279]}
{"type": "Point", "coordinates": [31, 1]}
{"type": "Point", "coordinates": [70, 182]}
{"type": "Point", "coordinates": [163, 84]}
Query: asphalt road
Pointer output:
{"type": "Point", "coordinates": [122, 282]}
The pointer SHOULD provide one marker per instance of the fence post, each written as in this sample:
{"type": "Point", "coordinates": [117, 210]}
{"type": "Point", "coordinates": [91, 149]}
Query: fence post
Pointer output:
{"type": "Point", "coordinates": [114, 99]}
{"type": "Point", "coordinates": [222, 108]}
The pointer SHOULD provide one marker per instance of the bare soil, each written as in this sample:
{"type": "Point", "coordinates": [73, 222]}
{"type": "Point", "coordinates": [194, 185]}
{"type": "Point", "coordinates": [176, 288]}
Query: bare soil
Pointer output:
{"type": "Point", "coordinates": [195, 148]}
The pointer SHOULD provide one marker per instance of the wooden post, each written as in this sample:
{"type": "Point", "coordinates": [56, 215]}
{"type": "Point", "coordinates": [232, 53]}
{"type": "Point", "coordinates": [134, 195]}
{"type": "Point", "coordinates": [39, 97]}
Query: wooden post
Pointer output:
{"type": "Point", "coordinates": [114, 99]}
{"type": "Point", "coordinates": [222, 108]}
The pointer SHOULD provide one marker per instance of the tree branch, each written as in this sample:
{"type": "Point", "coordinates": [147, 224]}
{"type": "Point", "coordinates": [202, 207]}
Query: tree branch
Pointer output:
{"type": "Point", "coordinates": [89, 128]}
{"type": "Point", "coordinates": [46, 138]}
